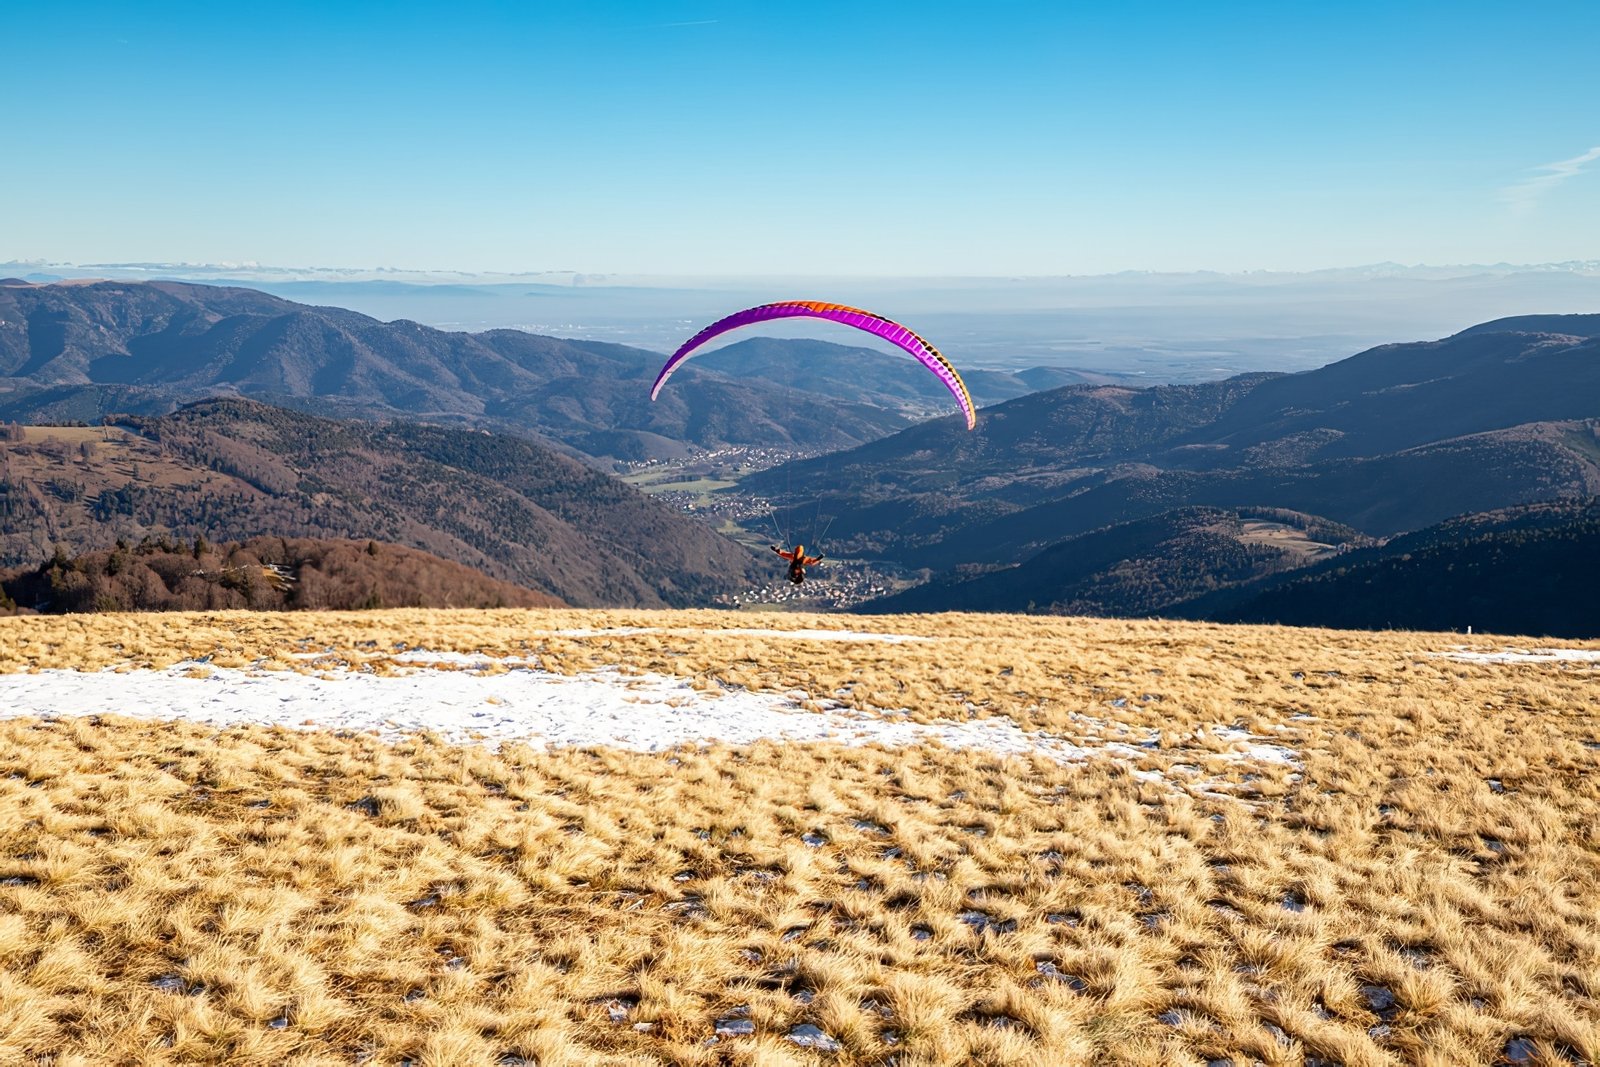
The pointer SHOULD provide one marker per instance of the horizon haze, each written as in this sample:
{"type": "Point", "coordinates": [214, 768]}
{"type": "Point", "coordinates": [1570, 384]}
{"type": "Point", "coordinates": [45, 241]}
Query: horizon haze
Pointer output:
{"type": "Point", "coordinates": [1138, 325]}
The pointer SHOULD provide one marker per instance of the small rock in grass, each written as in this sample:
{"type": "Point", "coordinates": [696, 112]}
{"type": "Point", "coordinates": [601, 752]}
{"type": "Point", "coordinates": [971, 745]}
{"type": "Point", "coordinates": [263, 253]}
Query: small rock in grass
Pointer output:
{"type": "Point", "coordinates": [368, 806]}
{"type": "Point", "coordinates": [1519, 1050]}
{"type": "Point", "coordinates": [982, 921]}
{"type": "Point", "coordinates": [808, 1036]}
{"type": "Point", "coordinates": [1049, 970]}
{"type": "Point", "coordinates": [1380, 1001]}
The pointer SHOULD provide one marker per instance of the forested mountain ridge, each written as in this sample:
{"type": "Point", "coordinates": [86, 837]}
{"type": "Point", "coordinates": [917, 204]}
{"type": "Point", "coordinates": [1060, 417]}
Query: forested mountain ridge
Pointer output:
{"type": "Point", "coordinates": [264, 573]}
{"type": "Point", "coordinates": [234, 469]}
{"type": "Point", "coordinates": [1522, 570]}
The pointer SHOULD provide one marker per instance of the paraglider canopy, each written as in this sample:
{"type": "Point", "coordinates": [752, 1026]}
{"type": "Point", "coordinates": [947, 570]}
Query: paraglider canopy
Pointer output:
{"type": "Point", "coordinates": [877, 325]}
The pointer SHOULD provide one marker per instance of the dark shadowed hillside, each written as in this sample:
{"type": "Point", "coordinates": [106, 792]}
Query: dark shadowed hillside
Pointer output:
{"type": "Point", "coordinates": [231, 470]}
{"type": "Point", "coordinates": [1139, 567]}
{"type": "Point", "coordinates": [264, 573]}
{"type": "Point", "coordinates": [1529, 570]}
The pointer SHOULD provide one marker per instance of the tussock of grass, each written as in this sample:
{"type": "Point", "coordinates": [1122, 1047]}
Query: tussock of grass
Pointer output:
{"type": "Point", "coordinates": [171, 893]}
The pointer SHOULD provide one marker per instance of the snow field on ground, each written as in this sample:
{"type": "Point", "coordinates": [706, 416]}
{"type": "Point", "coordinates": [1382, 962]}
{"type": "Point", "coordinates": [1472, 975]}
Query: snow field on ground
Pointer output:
{"type": "Point", "coordinates": [515, 702]}
{"type": "Point", "coordinates": [1524, 655]}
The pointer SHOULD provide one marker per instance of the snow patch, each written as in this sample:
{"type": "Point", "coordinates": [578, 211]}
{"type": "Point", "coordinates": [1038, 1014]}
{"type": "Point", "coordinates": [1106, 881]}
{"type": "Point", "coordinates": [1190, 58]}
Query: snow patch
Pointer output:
{"type": "Point", "coordinates": [1250, 746]}
{"type": "Point", "coordinates": [1522, 655]}
{"type": "Point", "coordinates": [606, 708]}
{"type": "Point", "coordinates": [646, 713]}
{"type": "Point", "coordinates": [792, 635]}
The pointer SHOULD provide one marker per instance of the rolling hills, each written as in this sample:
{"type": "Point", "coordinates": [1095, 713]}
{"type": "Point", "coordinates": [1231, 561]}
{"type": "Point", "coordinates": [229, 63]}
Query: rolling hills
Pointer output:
{"type": "Point", "coordinates": [1390, 440]}
{"type": "Point", "coordinates": [83, 350]}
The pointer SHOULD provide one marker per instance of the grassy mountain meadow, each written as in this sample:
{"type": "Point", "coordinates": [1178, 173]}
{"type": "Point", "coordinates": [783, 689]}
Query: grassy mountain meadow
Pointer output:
{"type": "Point", "coordinates": [1406, 873]}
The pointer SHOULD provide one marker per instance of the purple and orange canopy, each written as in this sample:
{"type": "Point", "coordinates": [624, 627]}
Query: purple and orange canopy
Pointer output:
{"type": "Point", "coordinates": [890, 331]}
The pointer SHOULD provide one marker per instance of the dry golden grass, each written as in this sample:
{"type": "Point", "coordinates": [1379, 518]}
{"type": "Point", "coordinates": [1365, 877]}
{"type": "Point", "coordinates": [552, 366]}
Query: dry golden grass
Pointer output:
{"type": "Point", "coordinates": [1424, 888]}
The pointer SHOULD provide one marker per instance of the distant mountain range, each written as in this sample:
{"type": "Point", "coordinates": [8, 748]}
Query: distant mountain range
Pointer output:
{"type": "Point", "coordinates": [234, 469]}
{"type": "Point", "coordinates": [1390, 440]}
{"type": "Point", "coordinates": [83, 350]}
{"type": "Point", "coordinates": [847, 371]}
{"type": "Point", "coordinates": [1157, 326]}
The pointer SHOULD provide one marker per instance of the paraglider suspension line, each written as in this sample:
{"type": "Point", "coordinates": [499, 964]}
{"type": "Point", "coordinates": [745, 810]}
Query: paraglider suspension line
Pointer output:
{"type": "Point", "coordinates": [819, 538]}
{"type": "Point", "coordinates": [772, 515]}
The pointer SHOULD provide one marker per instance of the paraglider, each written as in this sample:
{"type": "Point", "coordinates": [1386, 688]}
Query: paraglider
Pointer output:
{"type": "Point", "coordinates": [798, 562]}
{"type": "Point", "coordinates": [891, 331]}
{"type": "Point", "coordinates": [877, 325]}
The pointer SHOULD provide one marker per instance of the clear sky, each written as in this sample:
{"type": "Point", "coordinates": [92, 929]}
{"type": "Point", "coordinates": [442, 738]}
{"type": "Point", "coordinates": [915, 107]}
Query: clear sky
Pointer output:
{"type": "Point", "coordinates": [997, 138]}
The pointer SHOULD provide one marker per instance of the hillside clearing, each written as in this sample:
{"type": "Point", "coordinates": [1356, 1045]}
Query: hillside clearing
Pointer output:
{"type": "Point", "coordinates": [1291, 847]}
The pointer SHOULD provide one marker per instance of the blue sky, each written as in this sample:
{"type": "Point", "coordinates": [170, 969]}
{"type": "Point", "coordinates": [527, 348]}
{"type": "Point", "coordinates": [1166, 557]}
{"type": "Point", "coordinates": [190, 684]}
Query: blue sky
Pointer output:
{"type": "Point", "coordinates": [923, 138]}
